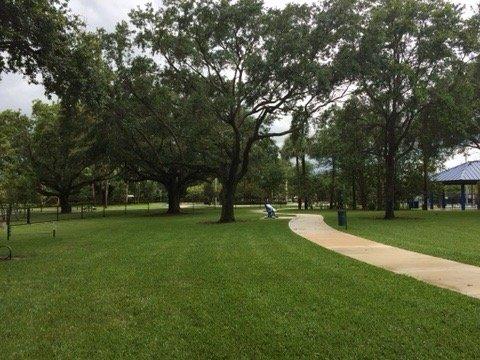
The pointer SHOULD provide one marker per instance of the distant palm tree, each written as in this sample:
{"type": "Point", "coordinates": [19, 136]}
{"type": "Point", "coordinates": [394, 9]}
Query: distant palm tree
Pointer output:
{"type": "Point", "coordinates": [297, 146]}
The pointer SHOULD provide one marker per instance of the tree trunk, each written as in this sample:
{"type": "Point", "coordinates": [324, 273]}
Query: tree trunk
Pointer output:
{"type": "Point", "coordinates": [94, 194]}
{"type": "Point", "coordinates": [299, 186]}
{"type": "Point", "coordinates": [65, 207]}
{"type": "Point", "coordinates": [286, 191]}
{"type": "Point", "coordinates": [362, 190]}
{"type": "Point", "coordinates": [380, 199]}
{"type": "Point", "coordinates": [390, 187]}
{"type": "Point", "coordinates": [425, 183]}
{"type": "Point", "coordinates": [8, 215]}
{"type": "Point", "coordinates": [390, 161]}
{"type": "Point", "coordinates": [304, 183]}
{"type": "Point", "coordinates": [173, 202]}
{"type": "Point", "coordinates": [126, 196]}
{"type": "Point", "coordinates": [137, 193]}
{"type": "Point", "coordinates": [174, 192]}
{"type": "Point", "coordinates": [354, 194]}
{"type": "Point", "coordinates": [105, 194]}
{"type": "Point", "coordinates": [333, 184]}
{"type": "Point", "coordinates": [228, 202]}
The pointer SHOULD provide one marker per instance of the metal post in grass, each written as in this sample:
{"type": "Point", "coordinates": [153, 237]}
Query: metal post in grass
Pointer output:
{"type": "Point", "coordinates": [54, 229]}
{"type": "Point", "coordinates": [463, 198]}
{"type": "Point", "coordinates": [478, 195]}
{"type": "Point", "coordinates": [28, 216]}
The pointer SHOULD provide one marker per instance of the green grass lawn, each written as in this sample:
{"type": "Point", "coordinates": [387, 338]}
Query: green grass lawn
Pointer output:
{"type": "Point", "coordinates": [448, 234]}
{"type": "Point", "coordinates": [181, 287]}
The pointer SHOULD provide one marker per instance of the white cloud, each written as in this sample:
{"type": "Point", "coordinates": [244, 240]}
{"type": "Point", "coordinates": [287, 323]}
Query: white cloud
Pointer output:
{"type": "Point", "coordinates": [98, 13]}
{"type": "Point", "coordinates": [16, 93]}
{"type": "Point", "coordinates": [457, 159]}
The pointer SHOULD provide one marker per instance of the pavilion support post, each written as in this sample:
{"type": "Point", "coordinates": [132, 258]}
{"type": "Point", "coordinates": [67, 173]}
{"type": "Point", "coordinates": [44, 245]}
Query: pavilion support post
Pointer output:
{"type": "Point", "coordinates": [444, 201]}
{"type": "Point", "coordinates": [478, 195]}
{"type": "Point", "coordinates": [462, 197]}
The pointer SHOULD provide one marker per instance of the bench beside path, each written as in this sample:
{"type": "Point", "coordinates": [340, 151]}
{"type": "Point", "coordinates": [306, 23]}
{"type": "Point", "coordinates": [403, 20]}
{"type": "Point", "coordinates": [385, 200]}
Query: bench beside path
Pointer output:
{"type": "Point", "coordinates": [443, 273]}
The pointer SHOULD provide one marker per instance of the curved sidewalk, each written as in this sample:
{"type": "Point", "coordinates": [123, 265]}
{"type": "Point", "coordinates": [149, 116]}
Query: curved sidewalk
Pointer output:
{"type": "Point", "coordinates": [444, 273]}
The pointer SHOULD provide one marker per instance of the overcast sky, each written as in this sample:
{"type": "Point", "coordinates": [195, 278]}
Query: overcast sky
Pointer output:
{"type": "Point", "coordinates": [16, 93]}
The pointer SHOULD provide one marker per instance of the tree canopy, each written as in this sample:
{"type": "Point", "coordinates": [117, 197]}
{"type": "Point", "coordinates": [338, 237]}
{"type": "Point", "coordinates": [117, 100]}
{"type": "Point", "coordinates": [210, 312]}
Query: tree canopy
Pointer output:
{"type": "Point", "coordinates": [64, 151]}
{"type": "Point", "coordinates": [34, 35]}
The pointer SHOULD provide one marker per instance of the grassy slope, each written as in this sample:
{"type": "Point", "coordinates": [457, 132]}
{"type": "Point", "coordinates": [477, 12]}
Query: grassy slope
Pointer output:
{"type": "Point", "coordinates": [180, 288]}
{"type": "Point", "coordinates": [451, 235]}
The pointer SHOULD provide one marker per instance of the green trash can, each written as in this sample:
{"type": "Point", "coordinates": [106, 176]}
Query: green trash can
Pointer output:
{"type": "Point", "coordinates": [342, 217]}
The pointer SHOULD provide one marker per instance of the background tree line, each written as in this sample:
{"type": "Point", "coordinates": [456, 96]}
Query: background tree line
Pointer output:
{"type": "Point", "coordinates": [378, 92]}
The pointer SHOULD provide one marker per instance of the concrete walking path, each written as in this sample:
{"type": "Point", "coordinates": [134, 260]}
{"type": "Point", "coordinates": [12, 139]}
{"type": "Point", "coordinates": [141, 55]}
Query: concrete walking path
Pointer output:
{"type": "Point", "coordinates": [444, 273]}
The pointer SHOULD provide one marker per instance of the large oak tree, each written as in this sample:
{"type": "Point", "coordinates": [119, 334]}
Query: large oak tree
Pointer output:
{"type": "Point", "coordinates": [161, 129]}
{"type": "Point", "coordinates": [64, 151]}
{"type": "Point", "coordinates": [250, 63]}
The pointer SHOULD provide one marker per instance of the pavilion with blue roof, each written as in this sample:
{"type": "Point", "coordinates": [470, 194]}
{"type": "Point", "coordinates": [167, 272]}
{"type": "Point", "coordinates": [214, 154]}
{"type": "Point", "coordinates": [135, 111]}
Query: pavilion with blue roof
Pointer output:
{"type": "Point", "coordinates": [463, 174]}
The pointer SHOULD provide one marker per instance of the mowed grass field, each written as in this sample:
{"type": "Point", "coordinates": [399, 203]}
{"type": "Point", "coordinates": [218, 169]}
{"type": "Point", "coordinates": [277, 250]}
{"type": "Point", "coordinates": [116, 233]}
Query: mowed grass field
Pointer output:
{"type": "Point", "coordinates": [184, 287]}
{"type": "Point", "coordinates": [451, 235]}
